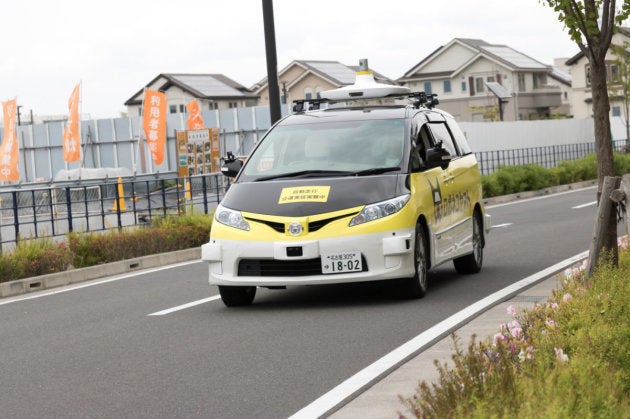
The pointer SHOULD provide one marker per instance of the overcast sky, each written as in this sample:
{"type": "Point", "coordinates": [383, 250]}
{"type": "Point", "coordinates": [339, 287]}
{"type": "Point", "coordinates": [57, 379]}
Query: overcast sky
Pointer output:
{"type": "Point", "coordinates": [116, 47]}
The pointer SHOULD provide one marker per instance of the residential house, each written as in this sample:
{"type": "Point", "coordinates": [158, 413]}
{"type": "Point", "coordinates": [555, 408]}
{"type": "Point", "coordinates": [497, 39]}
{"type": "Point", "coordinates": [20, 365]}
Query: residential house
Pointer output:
{"type": "Point", "coordinates": [459, 73]}
{"type": "Point", "coordinates": [306, 79]}
{"type": "Point", "coordinates": [212, 91]}
{"type": "Point", "coordinates": [580, 69]}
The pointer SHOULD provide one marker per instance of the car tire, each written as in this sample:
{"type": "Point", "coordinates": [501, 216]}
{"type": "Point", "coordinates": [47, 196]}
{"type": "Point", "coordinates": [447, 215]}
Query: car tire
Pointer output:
{"type": "Point", "coordinates": [237, 296]}
{"type": "Point", "coordinates": [471, 264]}
{"type": "Point", "coordinates": [416, 287]}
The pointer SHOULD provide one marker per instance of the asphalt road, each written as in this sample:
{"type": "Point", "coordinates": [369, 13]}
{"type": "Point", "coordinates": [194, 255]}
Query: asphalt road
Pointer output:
{"type": "Point", "coordinates": [109, 348]}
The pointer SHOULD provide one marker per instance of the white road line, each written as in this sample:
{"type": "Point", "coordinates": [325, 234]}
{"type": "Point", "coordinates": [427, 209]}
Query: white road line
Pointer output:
{"type": "Point", "coordinates": [184, 306]}
{"type": "Point", "coordinates": [354, 385]}
{"type": "Point", "coordinates": [502, 225]}
{"type": "Point", "coordinates": [94, 283]}
{"type": "Point", "coordinates": [584, 205]}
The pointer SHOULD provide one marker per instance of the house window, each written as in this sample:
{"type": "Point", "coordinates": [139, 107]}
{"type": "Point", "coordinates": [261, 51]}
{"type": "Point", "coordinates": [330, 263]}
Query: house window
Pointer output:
{"type": "Point", "coordinates": [233, 105]}
{"type": "Point", "coordinates": [479, 84]}
{"type": "Point", "coordinates": [490, 79]}
{"type": "Point", "coordinates": [427, 87]}
{"type": "Point", "coordinates": [521, 82]}
{"type": "Point", "coordinates": [587, 69]}
{"type": "Point", "coordinates": [463, 86]}
{"type": "Point", "coordinates": [616, 111]}
{"type": "Point", "coordinates": [318, 91]}
{"type": "Point", "coordinates": [540, 80]}
{"type": "Point", "coordinates": [447, 86]}
{"type": "Point", "coordinates": [283, 99]}
{"type": "Point", "coordinates": [612, 72]}
{"type": "Point", "coordinates": [308, 93]}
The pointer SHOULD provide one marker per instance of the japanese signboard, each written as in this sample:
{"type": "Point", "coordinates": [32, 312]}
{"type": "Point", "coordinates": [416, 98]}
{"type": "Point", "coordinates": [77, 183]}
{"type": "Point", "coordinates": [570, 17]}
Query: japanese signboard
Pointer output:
{"type": "Point", "coordinates": [9, 156]}
{"type": "Point", "coordinates": [198, 151]}
{"type": "Point", "coordinates": [154, 123]}
{"type": "Point", "coordinates": [71, 134]}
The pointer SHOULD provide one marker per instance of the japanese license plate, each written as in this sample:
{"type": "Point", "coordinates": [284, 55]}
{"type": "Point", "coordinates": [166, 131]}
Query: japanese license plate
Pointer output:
{"type": "Point", "coordinates": [334, 263]}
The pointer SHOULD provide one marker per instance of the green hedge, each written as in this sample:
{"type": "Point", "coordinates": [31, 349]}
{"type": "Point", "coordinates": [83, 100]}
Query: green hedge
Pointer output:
{"type": "Point", "coordinates": [531, 177]}
{"type": "Point", "coordinates": [43, 256]}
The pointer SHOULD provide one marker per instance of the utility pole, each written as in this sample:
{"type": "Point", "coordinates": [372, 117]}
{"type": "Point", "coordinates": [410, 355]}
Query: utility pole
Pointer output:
{"type": "Point", "coordinates": [272, 64]}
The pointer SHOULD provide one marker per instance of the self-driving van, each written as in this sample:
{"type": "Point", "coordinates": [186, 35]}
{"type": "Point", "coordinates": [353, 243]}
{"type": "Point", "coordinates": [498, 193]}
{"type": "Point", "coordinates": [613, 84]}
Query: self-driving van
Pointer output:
{"type": "Point", "coordinates": [341, 194]}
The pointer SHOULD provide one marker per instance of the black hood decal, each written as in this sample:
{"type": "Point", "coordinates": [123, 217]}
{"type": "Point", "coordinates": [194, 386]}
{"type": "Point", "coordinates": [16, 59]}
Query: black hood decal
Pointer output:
{"type": "Point", "coordinates": [344, 192]}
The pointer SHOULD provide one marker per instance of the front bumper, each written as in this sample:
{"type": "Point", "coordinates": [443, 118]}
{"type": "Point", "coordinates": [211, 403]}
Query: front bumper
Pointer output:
{"type": "Point", "coordinates": [386, 255]}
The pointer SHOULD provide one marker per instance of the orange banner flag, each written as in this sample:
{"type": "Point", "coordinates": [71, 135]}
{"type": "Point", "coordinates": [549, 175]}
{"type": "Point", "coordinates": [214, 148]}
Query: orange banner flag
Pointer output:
{"type": "Point", "coordinates": [9, 156]}
{"type": "Point", "coordinates": [71, 134]}
{"type": "Point", "coordinates": [195, 121]}
{"type": "Point", "coordinates": [154, 123]}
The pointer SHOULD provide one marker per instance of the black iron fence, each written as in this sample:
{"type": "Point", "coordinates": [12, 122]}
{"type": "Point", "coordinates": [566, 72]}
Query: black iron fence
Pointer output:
{"type": "Point", "coordinates": [549, 156]}
{"type": "Point", "coordinates": [38, 211]}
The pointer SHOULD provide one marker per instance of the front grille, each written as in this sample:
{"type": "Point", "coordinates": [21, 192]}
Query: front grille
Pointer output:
{"type": "Point", "coordinates": [279, 227]}
{"type": "Point", "coordinates": [312, 226]}
{"type": "Point", "coordinates": [272, 267]}
{"type": "Point", "coordinates": [316, 225]}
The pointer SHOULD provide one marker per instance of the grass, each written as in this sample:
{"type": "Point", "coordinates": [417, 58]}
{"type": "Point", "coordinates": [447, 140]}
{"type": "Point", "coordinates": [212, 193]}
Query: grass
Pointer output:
{"type": "Point", "coordinates": [568, 357]}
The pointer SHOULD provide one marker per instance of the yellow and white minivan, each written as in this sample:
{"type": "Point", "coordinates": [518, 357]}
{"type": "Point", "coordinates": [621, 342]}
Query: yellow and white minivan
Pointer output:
{"type": "Point", "coordinates": [349, 194]}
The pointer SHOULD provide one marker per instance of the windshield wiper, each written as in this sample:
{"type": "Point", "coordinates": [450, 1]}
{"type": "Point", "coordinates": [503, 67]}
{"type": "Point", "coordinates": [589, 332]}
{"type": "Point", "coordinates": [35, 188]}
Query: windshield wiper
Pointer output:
{"type": "Point", "coordinates": [374, 171]}
{"type": "Point", "coordinates": [304, 174]}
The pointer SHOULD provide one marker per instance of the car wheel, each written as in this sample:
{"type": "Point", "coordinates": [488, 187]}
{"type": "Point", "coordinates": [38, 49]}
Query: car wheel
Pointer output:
{"type": "Point", "coordinates": [417, 285]}
{"type": "Point", "coordinates": [471, 264]}
{"type": "Point", "coordinates": [237, 296]}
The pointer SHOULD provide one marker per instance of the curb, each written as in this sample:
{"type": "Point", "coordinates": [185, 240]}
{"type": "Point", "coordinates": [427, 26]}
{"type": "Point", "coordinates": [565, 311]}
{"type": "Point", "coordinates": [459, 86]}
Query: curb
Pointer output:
{"type": "Point", "coordinates": [72, 276]}
{"type": "Point", "coordinates": [541, 192]}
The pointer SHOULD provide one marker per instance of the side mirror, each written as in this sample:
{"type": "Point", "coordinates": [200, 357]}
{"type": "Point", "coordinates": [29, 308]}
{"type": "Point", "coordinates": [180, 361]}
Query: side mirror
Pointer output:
{"type": "Point", "coordinates": [231, 165]}
{"type": "Point", "coordinates": [438, 156]}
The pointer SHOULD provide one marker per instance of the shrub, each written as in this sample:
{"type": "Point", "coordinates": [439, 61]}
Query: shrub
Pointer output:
{"type": "Point", "coordinates": [565, 358]}
{"type": "Point", "coordinates": [37, 257]}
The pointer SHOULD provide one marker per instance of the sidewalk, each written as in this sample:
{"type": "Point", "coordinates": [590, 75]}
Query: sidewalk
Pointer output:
{"type": "Point", "coordinates": [381, 400]}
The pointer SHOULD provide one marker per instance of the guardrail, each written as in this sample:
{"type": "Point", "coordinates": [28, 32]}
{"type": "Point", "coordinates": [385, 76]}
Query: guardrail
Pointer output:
{"type": "Point", "coordinates": [54, 210]}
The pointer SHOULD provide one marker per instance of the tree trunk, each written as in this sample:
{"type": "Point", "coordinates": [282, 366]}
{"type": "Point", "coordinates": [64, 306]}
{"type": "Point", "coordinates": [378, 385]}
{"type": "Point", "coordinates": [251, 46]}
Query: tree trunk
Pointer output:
{"type": "Point", "coordinates": [603, 145]}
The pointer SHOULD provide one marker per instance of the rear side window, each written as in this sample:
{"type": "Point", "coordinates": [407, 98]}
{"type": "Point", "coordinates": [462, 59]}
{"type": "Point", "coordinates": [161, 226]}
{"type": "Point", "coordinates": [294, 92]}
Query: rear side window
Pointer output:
{"type": "Point", "coordinates": [460, 138]}
{"type": "Point", "coordinates": [441, 133]}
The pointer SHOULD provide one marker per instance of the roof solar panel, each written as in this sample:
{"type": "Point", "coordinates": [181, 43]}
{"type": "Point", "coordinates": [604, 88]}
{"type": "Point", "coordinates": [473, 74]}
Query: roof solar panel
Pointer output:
{"type": "Point", "coordinates": [208, 85]}
{"type": "Point", "coordinates": [514, 57]}
{"type": "Point", "coordinates": [337, 71]}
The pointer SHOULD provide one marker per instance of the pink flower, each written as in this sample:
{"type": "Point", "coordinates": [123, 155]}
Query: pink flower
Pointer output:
{"type": "Point", "coordinates": [514, 324]}
{"type": "Point", "coordinates": [516, 332]}
{"type": "Point", "coordinates": [550, 323]}
{"type": "Point", "coordinates": [511, 311]}
{"type": "Point", "coordinates": [498, 337]}
{"type": "Point", "coordinates": [567, 297]}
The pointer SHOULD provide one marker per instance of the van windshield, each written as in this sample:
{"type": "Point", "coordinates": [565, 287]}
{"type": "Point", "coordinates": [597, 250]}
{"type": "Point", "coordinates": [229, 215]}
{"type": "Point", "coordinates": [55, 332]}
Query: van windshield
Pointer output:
{"type": "Point", "coordinates": [328, 147]}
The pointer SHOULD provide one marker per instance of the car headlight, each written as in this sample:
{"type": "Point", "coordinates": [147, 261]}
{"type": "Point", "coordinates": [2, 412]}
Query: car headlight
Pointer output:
{"type": "Point", "coordinates": [380, 209]}
{"type": "Point", "coordinates": [230, 218]}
